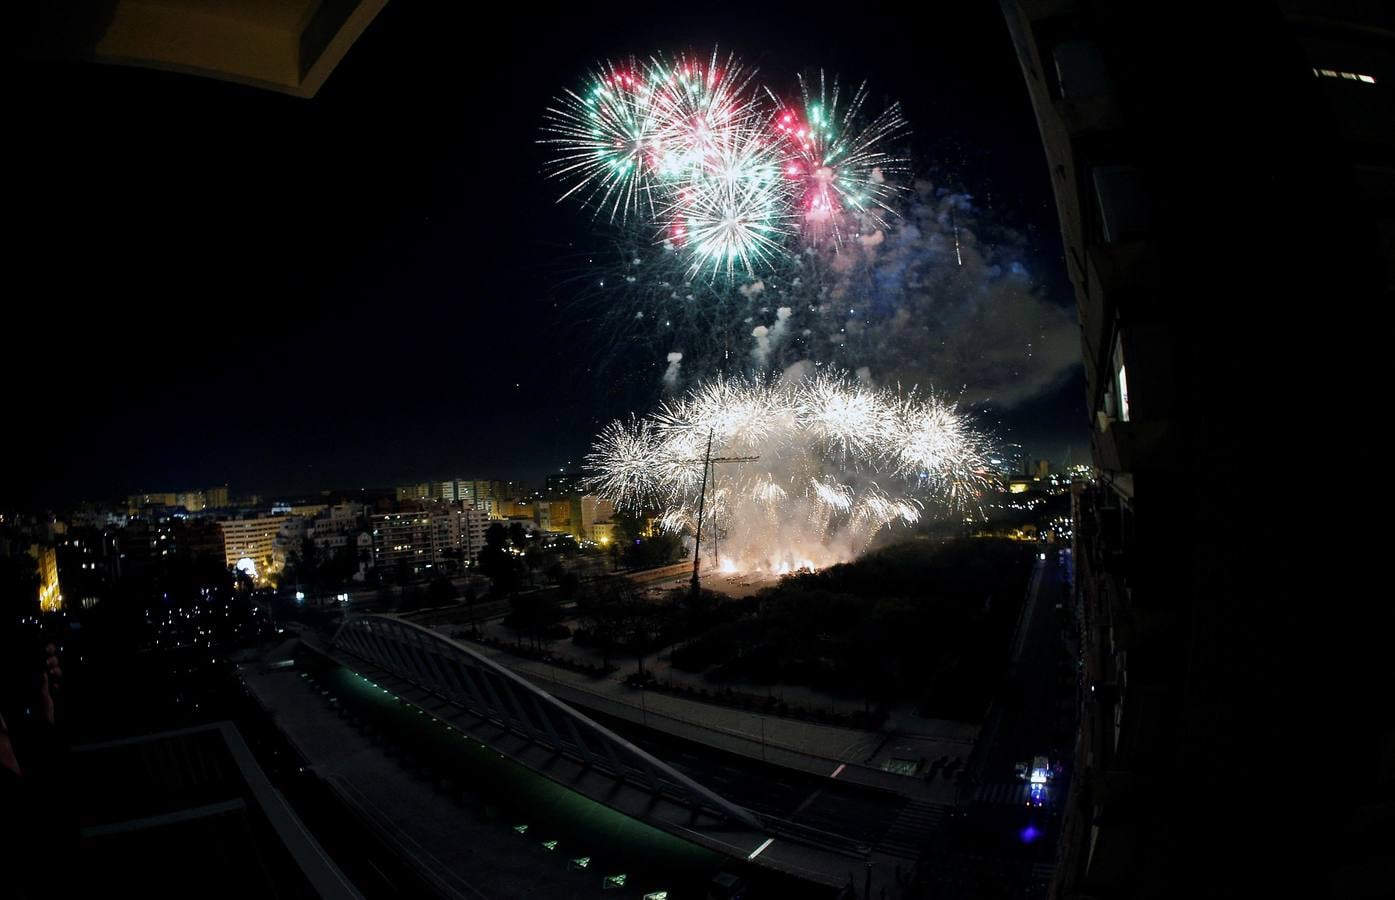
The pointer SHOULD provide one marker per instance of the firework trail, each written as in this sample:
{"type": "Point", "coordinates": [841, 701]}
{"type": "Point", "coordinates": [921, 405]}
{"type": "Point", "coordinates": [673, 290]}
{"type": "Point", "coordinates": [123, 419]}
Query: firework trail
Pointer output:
{"type": "Point", "coordinates": [805, 472]}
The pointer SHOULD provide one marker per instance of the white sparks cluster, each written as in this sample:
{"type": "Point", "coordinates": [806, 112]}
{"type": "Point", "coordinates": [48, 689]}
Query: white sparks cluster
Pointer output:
{"type": "Point", "coordinates": [803, 473]}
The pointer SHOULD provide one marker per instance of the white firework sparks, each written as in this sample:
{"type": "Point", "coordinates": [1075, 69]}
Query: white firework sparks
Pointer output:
{"type": "Point", "coordinates": [795, 466]}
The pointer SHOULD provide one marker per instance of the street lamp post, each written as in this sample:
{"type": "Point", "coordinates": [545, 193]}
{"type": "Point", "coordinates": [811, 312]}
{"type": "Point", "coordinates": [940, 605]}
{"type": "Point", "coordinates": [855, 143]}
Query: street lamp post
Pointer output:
{"type": "Point", "coordinates": [707, 462]}
{"type": "Point", "coordinates": [702, 502]}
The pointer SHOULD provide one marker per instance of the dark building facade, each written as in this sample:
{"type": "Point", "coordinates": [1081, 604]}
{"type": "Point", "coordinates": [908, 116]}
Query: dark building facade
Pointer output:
{"type": "Point", "coordinates": [564, 484]}
{"type": "Point", "coordinates": [89, 562]}
{"type": "Point", "coordinates": [1226, 190]}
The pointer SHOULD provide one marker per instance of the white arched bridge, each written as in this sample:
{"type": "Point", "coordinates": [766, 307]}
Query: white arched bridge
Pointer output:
{"type": "Point", "coordinates": [527, 723]}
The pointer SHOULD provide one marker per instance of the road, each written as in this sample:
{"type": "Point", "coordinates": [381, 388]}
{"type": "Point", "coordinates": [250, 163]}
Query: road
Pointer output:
{"type": "Point", "coordinates": [1029, 717]}
{"type": "Point", "coordinates": [1034, 715]}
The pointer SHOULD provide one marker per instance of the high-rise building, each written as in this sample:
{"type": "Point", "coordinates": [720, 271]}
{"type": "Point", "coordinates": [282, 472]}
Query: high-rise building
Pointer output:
{"type": "Point", "coordinates": [137, 502]}
{"type": "Point", "coordinates": [192, 501]}
{"type": "Point", "coordinates": [493, 498]}
{"type": "Point", "coordinates": [1209, 169]}
{"type": "Point", "coordinates": [217, 497]}
{"type": "Point", "coordinates": [88, 563]}
{"type": "Point", "coordinates": [251, 539]}
{"type": "Point", "coordinates": [50, 595]}
{"type": "Point", "coordinates": [435, 535]}
{"type": "Point", "coordinates": [595, 514]}
{"type": "Point", "coordinates": [150, 542]}
{"type": "Point", "coordinates": [555, 515]}
{"type": "Point", "coordinates": [420, 491]}
{"type": "Point", "coordinates": [1006, 461]}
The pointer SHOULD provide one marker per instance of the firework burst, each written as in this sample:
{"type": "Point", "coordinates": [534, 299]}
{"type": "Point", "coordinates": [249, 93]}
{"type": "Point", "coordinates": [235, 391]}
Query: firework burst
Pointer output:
{"type": "Point", "coordinates": [734, 214]}
{"type": "Point", "coordinates": [841, 169]}
{"type": "Point", "coordinates": [804, 473]}
{"type": "Point", "coordinates": [606, 138]}
{"type": "Point", "coordinates": [711, 163]}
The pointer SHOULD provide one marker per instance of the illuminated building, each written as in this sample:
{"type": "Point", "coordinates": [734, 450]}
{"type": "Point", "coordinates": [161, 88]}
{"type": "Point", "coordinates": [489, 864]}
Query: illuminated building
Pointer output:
{"type": "Point", "coordinates": [306, 510]}
{"type": "Point", "coordinates": [435, 535]}
{"type": "Point", "coordinates": [595, 512]}
{"type": "Point", "coordinates": [602, 533]}
{"type": "Point", "coordinates": [333, 528]}
{"type": "Point", "coordinates": [193, 501]}
{"type": "Point", "coordinates": [494, 498]}
{"type": "Point", "coordinates": [555, 516]}
{"type": "Point", "coordinates": [137, 502]}
{"type": "Point", "coordinates": [50, 597]}
{"type": "Point", "coordinates": [1210, 168]}
{"type": "Point", "coordinates": [511, 509]}
{"type": "Point", "coordinates": [420, 491]}
{"type": "Point", "coordinates": [252, 538]}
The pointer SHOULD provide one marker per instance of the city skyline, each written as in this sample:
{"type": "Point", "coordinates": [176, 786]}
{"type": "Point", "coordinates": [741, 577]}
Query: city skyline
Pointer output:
{"type": "Point", "coordinates": [697, 452]}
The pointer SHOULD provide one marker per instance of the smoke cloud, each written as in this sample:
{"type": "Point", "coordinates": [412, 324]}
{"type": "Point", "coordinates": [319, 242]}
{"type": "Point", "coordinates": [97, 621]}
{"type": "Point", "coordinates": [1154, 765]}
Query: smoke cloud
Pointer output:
{"type": "Point", "coordinates": [675, 364]}
{"type": "Point", "coordinates": [940, 299]}
{"type": "Point", "coordinates": [761, 351]}
{"type": "Point", "coordinates": [752, 290]}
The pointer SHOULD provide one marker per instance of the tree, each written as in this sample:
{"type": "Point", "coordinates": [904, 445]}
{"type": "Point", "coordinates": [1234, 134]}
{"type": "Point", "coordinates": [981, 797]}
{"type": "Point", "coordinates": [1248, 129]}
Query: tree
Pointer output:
{"type": "Point", "coordinates": [567, 586]}
{"type": "Point", "coordinates": [600, 610]}
{"type": "Point", "coordinates": [243, 583]}
{"type": "Point", "coordinates": [643, 621]}
{"type": "Point", "coordinates": [339, 569]}
{"type": "Point", "coordinates": [441, 592]}
{"type": "Point", "coordinates": [618, 614]}
{"type": "Point", "coordinates": [656, 550]}
{"type": "Point", "coordinates": [629, 525]}
{"type": "Point", "coordinates": [303, 567]}
{"type": "Point", "coordinates": [534, 613]}
{"type": "Point", "coordinates": [470, 598]}
{"type": "Point", "coordinates": [497, 562]}
{"type": "Point", "coordinates": [518, 535]}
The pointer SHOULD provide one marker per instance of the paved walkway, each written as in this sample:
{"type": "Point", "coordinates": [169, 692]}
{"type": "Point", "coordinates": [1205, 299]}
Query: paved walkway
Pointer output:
{"type": "Point", "coordinates": [855, 754]}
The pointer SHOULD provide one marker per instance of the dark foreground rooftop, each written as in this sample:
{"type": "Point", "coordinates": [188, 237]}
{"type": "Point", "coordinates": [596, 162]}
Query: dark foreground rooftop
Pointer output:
{"type": "Point", "coordinates": [191, 813]}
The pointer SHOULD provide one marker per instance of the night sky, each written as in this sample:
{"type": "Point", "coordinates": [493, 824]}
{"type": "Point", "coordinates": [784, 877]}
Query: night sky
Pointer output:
{"type": "Point", "coordinates": [217, 284]}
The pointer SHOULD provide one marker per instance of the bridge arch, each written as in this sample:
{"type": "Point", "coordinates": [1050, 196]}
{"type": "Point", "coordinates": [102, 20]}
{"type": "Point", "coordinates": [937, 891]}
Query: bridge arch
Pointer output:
{"type": "Point", "coordinates": [463, 675]}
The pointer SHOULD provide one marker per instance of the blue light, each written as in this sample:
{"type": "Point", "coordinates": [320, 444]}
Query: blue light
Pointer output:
{"type": "Point", "coordinates": [1029, 834]}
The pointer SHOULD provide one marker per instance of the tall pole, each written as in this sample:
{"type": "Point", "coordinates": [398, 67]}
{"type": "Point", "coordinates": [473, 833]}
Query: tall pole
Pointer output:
{"type": "Point", "coordinates": [702, 500]}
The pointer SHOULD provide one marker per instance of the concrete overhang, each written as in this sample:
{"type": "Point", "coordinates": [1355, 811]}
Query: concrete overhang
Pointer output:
{"type": "Point", "coordinates": [288, 46]}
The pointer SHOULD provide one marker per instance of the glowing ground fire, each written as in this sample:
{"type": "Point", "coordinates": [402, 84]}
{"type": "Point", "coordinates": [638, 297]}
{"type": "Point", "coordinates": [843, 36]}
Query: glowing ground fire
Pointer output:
{"type": "Point", "coordinates": [819, 466]}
